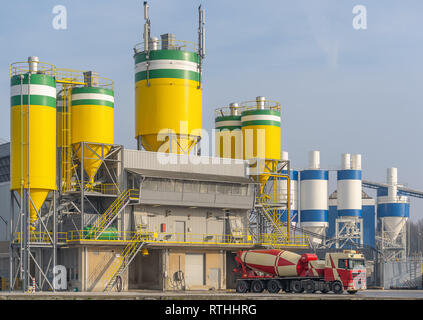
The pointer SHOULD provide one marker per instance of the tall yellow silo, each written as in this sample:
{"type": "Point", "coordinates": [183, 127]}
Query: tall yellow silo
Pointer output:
{"type": "Point", "coordinates": [168, 90]}
{"type": "Point", "coordinates": [229, 143]}
{"type": "Point", "coordinates": [261, 130]}
{"type": "Point", "coordinates": [92, 119]}
{"type": "Point", "coordinates": [33, 132]}
{"type": "Point", "coordinates": [168, 99]}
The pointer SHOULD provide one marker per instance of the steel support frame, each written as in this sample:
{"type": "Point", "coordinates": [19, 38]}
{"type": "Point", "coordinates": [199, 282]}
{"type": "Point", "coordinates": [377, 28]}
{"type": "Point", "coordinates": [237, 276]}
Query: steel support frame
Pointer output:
{"type": "Point", "coordinates": [258, 223]}
{"type": "Point", "coordinates": [393, 250]}
{"type": "Point", "coordinates": [348, 232]}
{"type": "Point", "coordinates": [29, 248]}
{"type": "Point", "coordinates": [112, 163]}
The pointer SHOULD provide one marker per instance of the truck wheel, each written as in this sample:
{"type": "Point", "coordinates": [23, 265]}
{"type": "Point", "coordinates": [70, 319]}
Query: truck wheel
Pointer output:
{"type": "Point", "coordinates": [257, 286]}
{"type": "Point", "coordinates": [337, 287]}
{"type": "Point", "coordinates": [352, 291]}
{"type": "Point", "coordinates": [325, 287]}
{"type": "Point", "coordinates": [296, 286]}
{"type": "Point", "coordinates": [286, 286]}
{"type": "Point", "coordinates": [242, 286]}
{"type": "Point", "coordinates": [273, 286]}
{"type": "Point", "coordinates": [310, 287]}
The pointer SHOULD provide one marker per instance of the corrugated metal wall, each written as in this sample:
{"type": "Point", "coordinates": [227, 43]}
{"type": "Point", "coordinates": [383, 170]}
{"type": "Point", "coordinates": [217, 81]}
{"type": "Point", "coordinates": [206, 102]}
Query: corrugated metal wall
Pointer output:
{"type": "Point", "coordinates": [135, 159]}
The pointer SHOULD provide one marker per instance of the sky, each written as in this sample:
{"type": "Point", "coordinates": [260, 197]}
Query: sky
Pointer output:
{"type": "Point", "coordinates": [342, 90]}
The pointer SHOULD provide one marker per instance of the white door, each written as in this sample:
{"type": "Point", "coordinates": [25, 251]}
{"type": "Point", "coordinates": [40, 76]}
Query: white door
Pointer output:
{"type": "Point", "coordinates": [194, 269]}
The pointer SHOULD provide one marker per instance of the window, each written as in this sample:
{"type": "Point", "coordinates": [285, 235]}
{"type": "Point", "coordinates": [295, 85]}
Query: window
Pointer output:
{"type": "Point", "coordinates": [343, 263]}
{"type": "Point", "coordinates": [355, 263]}
{"type": "Point", "coordinates": [167, 185]}
{"type": "Point", "coordinates": [211, 187]}
{"type": "Point", "coordinates": [191, 186]}
{"type": "Point", "coordinates": [178, 186]}
{"type": "Point", "coordinates": [150, 184]}
{"type": "Point", "coordinates": [350, 263]}
{"type": "Point", "coordinates": [203, 187]}
{"type": "Point", "coordinates": [236, 189]}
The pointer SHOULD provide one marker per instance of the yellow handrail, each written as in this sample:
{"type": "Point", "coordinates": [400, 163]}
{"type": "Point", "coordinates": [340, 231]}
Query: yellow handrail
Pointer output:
{"type": "Point", "coordinates": [123, 259]}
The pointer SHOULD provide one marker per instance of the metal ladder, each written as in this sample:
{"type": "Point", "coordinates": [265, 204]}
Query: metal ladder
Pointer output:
{"type": "Point", "coordinates": [274, 219]}
{"type": "Point", "coordinates": [128, 254]}
{"type": "Point", "coordinates": [130, 195]}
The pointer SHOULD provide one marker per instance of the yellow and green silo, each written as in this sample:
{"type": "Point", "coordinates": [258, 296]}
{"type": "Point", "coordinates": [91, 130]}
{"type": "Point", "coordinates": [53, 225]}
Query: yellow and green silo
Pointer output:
{"type": "Point", "coordinates": [92, 119]}
{"type": "Point", "coordinates": [33, 132]}
{"type": "Point", "coordinates": [229, 143]}
{"type": "Point", "coordinates": [261, 130]}
{"type": "Point", "coordinates": [168, 97]}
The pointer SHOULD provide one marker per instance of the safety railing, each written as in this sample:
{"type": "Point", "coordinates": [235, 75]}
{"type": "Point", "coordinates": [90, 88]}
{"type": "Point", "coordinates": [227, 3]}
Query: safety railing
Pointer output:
{"type": "Point", "coordinates": [123, 261]}
{"type": "Point", "coordinates": [125, 237]}
{"type": "Point", "coordinates": [41, 237]}
{"type": "Point", "coordinates": [111, 212]}
{"type": "Point", "coordinates": [77, 78]}
{"type": "Point", "coordinates": [264, 104]}
{"type": "Point", "coordinates": [227, 111]}
{"type": "Point", "coordinates": [161, 237]}
{"type": "Point", "coordinates": [22, 67]}
{"type": "Point", "coordinates": [170, 44]}
{"type": "Point", "coordinates": [275, 240]}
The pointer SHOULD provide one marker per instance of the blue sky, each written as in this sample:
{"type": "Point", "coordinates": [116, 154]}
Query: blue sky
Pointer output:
{"type": "Point", "coordinates": [341, 90]}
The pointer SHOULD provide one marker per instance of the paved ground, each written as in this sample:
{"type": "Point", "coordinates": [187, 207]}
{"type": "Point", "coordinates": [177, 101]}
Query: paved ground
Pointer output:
{"type": "Point", "coordinates": [218, 295]}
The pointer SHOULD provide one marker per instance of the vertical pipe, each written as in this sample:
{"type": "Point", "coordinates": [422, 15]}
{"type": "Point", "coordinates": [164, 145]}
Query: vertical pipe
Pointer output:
{"type": "Point", "coordinates": [54, 234]}
{"type": "Point", "coordinates": [28, 203]}
{"type": "Point", "coordinates": [289, 202]}
{"type": "Point", "coordinates": [346, 161]}
{"type": "Point", "coordinates": [356, 162]}
{"type": "Point", "coordinates": [21, 209]}
{"type": "Point", "coordinates": [11, 222]}
{"type": "Point", "coordinates": [82, 188]}
{"type": "Point", "coordinates": [314, 159]}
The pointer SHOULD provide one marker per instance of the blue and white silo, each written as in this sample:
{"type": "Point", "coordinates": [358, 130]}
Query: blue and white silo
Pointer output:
{"type": "Point", "coordinates": [314, 197]}
{"type": "Point", "coordinates": [393, 211]}
{"type": "Point", "coordinates": [349, 187]}
{"type": "Point", "coordinates": [349, 223]}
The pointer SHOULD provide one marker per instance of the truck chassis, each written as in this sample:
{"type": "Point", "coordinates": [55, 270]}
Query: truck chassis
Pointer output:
{"type": "Point", "coordinates": [289, 285]}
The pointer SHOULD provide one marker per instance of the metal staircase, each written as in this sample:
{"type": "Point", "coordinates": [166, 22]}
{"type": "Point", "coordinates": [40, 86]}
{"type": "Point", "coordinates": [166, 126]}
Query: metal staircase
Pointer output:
{"type": "Point", "coordinates": [128, 254]}
{"type": "Point", "coordinates": [105, 220]}
{"type": "Point", "coordinates": [273, 217]}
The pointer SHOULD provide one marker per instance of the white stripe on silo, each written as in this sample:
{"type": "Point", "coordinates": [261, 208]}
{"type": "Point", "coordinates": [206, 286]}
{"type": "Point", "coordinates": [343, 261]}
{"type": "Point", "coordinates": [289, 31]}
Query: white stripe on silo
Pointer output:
{"type": "Point", "coordinates": [166, 64]}
{"type": "Point", "coordinates": [36, 89]}
{"type": "Point", "coordinates": [319, 190]}
{"type": "Point", "coordinates": [92, 96]}
{"type": "Point", "coordinates": [349, 194]}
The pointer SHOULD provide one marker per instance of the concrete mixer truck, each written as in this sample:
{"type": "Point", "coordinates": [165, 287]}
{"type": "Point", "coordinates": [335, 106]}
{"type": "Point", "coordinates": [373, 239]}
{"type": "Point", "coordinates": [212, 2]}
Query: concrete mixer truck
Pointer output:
{"type": "Point", "coordinates": [274, 270]}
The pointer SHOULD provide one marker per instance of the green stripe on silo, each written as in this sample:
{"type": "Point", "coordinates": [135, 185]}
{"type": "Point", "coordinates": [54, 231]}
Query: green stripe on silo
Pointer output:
{"type": "Point", "coordinates": [95, 102]}
{"type": "Point", "coordinates": [34, 100]}
{"type": "Point", "coordinates": [262, 111]}
{"type": "Point", "coordinates": [230, 128]}
{"type": "Point", "coordinates": [167, 54]}
{"type": "Point", "coordinates": [167, 73]}
{"type": "Point", "coordinates": [92, 90]}
{"type": "Point", "coordinates": [228, 118]}
{"type": "Point", "coordinates": [261, 123]}
{"type": "Point", "coordinates": [35, 79]}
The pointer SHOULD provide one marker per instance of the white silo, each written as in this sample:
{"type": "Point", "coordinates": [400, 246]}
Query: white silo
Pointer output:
{"type": "Point", "coordinates": [393, 213]}
{"type": "Point", "coordinates": [314, 197]}
{"type": "Point", "coordinates": [349, 223]}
